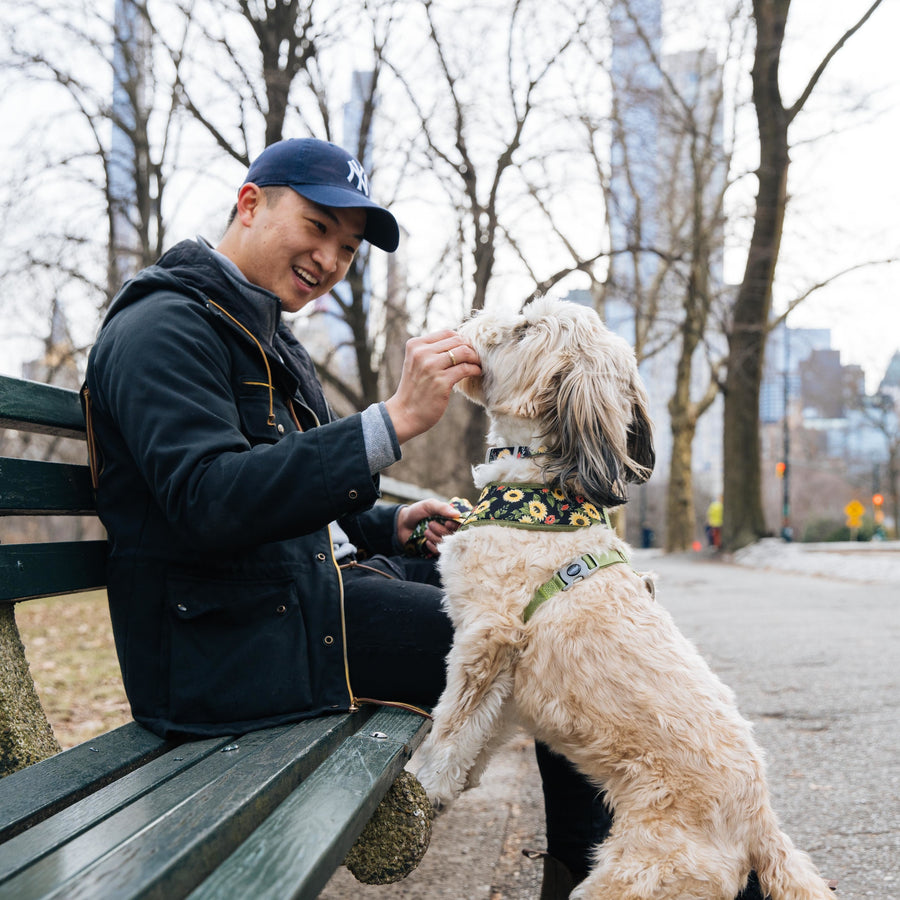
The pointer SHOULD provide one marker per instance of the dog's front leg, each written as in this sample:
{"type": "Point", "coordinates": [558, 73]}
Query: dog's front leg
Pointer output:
{"type": "Point", "coordinates": [504, 730]}
{"type": "Point", "coordinates": [469, 713]}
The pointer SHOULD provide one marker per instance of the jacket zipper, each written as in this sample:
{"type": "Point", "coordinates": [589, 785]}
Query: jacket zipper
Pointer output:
{"type": "Point", "coordinates": [354, 706]}
{"type": "Point", "coordinates": [271, 421]}
{"type": "Point", "coordinates": [93, 455]}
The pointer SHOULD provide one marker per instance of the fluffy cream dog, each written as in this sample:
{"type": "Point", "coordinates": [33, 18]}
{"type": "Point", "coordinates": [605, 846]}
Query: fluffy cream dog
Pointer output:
{"type": "Point", "coordinates": [599, 672]}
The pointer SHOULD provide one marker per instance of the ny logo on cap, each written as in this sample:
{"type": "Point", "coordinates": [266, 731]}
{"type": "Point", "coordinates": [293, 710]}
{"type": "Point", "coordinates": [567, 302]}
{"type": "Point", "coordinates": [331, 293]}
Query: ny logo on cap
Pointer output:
{"type": "Point", "coordinates": [357, 172]}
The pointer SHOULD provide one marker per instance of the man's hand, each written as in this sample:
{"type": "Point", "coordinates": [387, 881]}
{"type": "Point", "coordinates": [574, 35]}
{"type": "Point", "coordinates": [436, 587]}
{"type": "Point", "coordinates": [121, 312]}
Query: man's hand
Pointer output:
{"type": "Point", "coordinates": [431, 366]}
{"type": "Point", "coordinates": [446, 521]}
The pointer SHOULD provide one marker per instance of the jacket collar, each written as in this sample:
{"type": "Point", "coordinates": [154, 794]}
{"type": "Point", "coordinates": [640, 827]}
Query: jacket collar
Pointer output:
{"type": "Point", "coordinates": [195, 270]}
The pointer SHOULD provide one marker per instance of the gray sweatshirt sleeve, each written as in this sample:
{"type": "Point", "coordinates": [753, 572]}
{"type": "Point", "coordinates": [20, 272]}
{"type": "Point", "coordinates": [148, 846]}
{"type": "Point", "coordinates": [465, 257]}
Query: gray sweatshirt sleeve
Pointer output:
{"type": "Point", "coordinates": [382, 447]}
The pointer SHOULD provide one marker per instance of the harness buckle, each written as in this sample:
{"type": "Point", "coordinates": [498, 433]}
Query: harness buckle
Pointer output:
{"type": "Point", "coordinates": [575, 571]}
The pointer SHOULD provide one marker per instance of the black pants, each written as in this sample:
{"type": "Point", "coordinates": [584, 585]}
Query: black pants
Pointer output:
{"type": "Point", "coordinates": [398, 637]}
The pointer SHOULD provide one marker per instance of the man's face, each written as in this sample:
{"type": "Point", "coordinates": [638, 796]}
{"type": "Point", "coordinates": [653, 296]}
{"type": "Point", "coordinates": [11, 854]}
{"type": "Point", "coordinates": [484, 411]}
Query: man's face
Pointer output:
{"type": "Point", "coordinates": [293, 247]}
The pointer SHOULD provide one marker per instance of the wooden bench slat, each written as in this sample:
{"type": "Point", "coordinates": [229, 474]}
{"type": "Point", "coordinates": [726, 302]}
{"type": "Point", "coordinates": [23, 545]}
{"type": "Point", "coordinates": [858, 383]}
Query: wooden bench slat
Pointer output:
{"type": "Point", "coordinates": [33, 487]}
{"type": "Point", "coordinates": [28, 571]}
{"type": "Point", "coordinates": [36, 792]}
{"type": "Point", "coordinates": [40, 839]}
{"type": "Point", "coordinates": [56, 873]}
{"type": "Point", "coordinates": [175, 834]}
{"type": "Point", "coordinates": [32, 406]}
{"type": "Point", "coordinates": [296, 850]}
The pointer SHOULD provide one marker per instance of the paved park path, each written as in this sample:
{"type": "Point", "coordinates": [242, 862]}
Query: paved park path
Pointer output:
{"type": "Point", "coordinates": [808, 637]}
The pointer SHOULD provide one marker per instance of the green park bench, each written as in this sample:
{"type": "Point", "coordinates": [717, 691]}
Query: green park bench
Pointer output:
{"type": "Point", "coordinates": [267, 814]}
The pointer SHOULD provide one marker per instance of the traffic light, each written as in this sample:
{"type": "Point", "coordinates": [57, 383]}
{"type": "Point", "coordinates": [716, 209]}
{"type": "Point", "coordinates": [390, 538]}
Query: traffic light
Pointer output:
{"type": "Point", "coordinates": [877, 503]}
{"type": "Point", "coordinates": [780, 469]}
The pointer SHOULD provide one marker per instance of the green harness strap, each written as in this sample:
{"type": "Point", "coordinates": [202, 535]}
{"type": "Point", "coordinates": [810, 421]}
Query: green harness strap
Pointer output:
{"type": "Point", "coordinates": [535, 505]}
{"type": "Point", "coordinates": [570, 574]}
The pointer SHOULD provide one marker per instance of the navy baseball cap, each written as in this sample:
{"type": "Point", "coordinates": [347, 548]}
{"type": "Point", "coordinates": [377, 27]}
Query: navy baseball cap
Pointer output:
{"type": "Point", "coordinates": [327, 175]}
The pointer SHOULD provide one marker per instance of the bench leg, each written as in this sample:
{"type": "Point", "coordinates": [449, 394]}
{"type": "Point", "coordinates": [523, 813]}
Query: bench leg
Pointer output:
{"type": "Point", "coordinates": [25, 734]}
{"type": "Point", "coordinates": [397, 836]}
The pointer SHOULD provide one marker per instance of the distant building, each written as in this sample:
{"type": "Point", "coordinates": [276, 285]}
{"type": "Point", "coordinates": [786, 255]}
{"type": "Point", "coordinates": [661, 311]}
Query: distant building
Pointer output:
{"type": "Point", "coordinates": [786, 348]}
{"type": "Point", "coordinates": [58, 365]}
{"type": "Point", "coordinates": [825, 401]}
{"type": "Point", "coordinates": [892, 375]}
{"type": "Point", "coordinates": [634, 193]}
{"type": "Point", "coordinates": [822, 385]}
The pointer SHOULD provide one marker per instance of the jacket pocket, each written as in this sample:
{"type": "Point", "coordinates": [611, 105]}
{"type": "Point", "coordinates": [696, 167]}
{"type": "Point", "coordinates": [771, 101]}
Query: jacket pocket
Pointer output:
{"type": "Point", "coordinates": [264, 417]}
{"type": "Point", "coordinates": [237, 650]}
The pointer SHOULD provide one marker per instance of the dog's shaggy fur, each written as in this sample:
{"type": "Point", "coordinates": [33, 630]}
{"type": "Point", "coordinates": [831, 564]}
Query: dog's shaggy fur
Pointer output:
{"type": "Point", "coordinates": [600, 673]}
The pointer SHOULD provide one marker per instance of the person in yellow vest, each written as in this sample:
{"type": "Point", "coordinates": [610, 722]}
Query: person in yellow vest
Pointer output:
{"type": "Point", "coordinates": [714, 523]}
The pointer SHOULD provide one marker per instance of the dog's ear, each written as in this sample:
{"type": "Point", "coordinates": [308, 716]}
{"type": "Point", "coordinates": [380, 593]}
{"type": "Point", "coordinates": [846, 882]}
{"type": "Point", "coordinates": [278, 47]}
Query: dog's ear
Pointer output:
{"type": "Point", "coordinates": [599, 434]}
{"type": "Point", "coordinates": [640, 434]}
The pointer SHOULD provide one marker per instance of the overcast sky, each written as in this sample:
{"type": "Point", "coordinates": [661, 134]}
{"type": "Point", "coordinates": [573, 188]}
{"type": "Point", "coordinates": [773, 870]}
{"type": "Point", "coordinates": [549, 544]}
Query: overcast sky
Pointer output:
{"type": "Point", "coordinates": [846, 186]}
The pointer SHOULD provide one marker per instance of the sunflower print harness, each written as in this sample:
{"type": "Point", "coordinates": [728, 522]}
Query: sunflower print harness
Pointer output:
{"type": "Point", "coordinates": [535, 506]}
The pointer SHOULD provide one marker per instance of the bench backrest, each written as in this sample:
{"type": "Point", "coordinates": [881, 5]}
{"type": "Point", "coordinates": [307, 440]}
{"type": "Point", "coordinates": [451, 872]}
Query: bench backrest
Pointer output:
{"type": "Point", "coordinates": [44, 488]}
{"type": "Point", "coordinates": [30, 487]}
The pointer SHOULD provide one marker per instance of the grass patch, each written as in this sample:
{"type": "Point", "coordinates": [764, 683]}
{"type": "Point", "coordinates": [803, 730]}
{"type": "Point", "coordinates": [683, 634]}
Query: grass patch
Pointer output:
{"type": "Point", "coordinates": [69, 645]}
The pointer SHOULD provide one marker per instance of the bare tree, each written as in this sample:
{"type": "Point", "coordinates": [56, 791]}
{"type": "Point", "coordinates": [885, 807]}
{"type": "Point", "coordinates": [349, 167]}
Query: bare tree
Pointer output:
{"type": "Point", "coordinates": [111, 94]}
{"type": "Point", "coordinates": [480, 118]}
{"type": "Point", "coordinates": [258, 71]}
{"type": "Point", "coordinates": [670, 168]}
{"type": "Point", "coordinates": [744, 520]}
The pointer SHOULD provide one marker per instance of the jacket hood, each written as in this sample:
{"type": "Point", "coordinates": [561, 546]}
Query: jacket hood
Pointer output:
{"type": "Point", "coordinates": [192, 268]}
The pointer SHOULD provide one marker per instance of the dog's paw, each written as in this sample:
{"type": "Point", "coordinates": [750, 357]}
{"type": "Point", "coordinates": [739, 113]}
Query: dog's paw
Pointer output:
{"type": "Point", "coordinates": [439, 805]}
{"type": "Point", "coordinates": [438, 786]}
{"type": "Point", "coordinates": [440, 801]}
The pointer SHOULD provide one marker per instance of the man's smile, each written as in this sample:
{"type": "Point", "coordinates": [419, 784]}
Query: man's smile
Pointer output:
{"type": "Point", "coordinates": [305, 277]}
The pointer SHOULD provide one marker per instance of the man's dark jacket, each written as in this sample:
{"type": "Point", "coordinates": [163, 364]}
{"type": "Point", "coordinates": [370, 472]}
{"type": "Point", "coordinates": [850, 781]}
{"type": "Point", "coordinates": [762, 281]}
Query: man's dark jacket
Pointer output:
{"type": "Point", "coordinates": [220, 468]}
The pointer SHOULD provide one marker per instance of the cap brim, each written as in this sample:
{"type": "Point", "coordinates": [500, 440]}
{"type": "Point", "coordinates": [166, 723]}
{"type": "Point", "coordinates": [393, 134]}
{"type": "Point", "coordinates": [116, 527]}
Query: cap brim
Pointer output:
{"type": "Point", "coordinates": [381, 231]}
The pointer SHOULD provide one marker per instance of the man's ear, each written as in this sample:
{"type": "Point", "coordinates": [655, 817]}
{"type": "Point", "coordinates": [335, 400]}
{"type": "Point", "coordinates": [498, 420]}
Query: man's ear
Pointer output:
{"type": "Point", "coordinates": [250, 199]}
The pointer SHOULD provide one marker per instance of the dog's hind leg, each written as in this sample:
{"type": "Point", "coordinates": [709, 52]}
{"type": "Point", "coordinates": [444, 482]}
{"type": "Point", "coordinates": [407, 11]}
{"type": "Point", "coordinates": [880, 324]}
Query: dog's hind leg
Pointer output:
{"type": "Point", "coordinates": [469, 714]}
{"type": "Point", "coordinates": [785, 873]}
{"type": "Point", "coordinates": [646, 860]}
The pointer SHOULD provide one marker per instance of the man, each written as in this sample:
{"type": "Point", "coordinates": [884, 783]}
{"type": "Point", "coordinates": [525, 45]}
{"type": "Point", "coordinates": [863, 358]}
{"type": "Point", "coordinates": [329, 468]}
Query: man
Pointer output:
{"type": "Point", "coordinates": [230, 493]}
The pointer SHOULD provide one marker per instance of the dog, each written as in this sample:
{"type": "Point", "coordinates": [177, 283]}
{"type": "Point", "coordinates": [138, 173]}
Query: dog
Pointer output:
{"type": "Point", "coordinates": [598, 670]}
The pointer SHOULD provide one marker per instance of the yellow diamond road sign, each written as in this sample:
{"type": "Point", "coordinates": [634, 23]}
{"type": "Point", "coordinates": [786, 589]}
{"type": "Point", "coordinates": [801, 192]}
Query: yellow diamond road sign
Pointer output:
{"type": "Point", "coordinates": [854, 511]}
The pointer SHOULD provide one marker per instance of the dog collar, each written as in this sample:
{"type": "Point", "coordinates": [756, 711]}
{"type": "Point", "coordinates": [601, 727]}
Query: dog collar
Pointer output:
{"type": "Point", "coordinates": [571, 573]}
{"type": "Point", "coordinates": [495, 453]}
{"type": "Point", "coordinates": [533, 506]}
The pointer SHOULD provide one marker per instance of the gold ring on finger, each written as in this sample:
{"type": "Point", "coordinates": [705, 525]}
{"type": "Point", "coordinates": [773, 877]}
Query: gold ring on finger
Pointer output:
{"type": "Point", "coordinates": [452, 357]}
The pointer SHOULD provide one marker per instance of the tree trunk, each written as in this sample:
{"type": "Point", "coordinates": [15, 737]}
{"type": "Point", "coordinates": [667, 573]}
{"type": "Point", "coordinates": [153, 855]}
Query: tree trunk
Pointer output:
{"type": "Point", "coordinates": [894, 488]}
{"type": "Point", "coordinates": [680, 493]}
{"type": "Point", "coordinates": [25, 734]}
{"type": "Point", "coordinates": [683, 412]}
{"type": "Point", "coordinates": [744, 521]}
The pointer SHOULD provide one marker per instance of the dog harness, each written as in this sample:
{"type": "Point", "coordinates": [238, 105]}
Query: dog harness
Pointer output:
{"type": "Point", "coordinates": [571, 573]}
{"type": "Point", "coordinates": [535, 506]}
